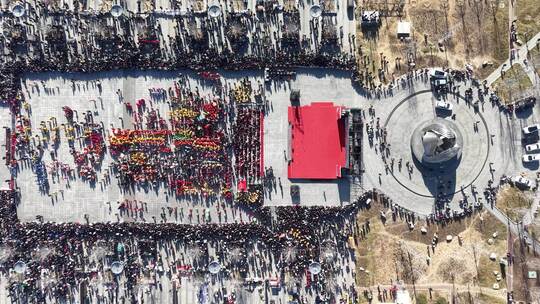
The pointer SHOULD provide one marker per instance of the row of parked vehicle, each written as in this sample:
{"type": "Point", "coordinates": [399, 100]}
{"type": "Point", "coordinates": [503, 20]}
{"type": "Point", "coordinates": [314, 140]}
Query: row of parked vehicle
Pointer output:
{"type": "Point", "coordinates": [532, 150]}
{"type": "Point", "coordinates": [439, 83]}
{"type": "Point", "coordinates": [532, 154]}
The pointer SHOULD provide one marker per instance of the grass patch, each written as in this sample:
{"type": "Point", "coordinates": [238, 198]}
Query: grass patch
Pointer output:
{"type": "Point", "coordinates": [470, 298]}
{"type": "Point", "coordinates": [488, 225]}
{"type": "Point", "coordinates": [487, 299]}
{"type": "Point", "coordinates": [371, 249]}
{"type": "Point", "coordinates": [512, 201]}
{"type": "Point", "coordinates": [535, 58]}
{"type": "Point", "coordinates": [486, 267]}
{"type": "Point", "coordinates": [422, 299]}
{"type": "Point", "coordinates": [366, 259]}
{"type": "Point", "coordinates": [496, 32]}
{"type": "Point", "coordinates": [453, 228]}
{"type": "Point", "coordinates": [528, 23]}
{"type": "Point", "coordinates": [510, 86]}
{"type": "Point", "coordinates": [441, 301]}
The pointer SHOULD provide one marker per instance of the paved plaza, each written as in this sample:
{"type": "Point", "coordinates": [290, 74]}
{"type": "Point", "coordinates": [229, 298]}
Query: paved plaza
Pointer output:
{"type": "Point", "coordinates": [147, 150]}
{"type": "Point", "coordinates": [71, 201]}
{"type": "Point", "coordinates": [491, 140]}
{"type": "Point", "coordinates": [492, 147]}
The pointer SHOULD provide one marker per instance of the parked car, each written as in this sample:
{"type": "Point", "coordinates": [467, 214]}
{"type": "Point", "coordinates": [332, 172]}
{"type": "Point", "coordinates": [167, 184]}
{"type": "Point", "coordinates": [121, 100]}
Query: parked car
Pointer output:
{"type": "Point", "coordinates": [440, 85]}
{"type": "Point", "coordinates": [444, 105]}
{"type": "Point", "coordinates": [532, 147]}
{"type": "Point", "coordinates": [522, 181]}
{"type": "Point", "coordinates": [438, 73]}
{"type": "Point", "coordinates": [531, 129]}
{"type": "Point", "coordinates": [524, 104]}
{"type": "Point", "coordinates": [531, 157]}
{"type": "Point", "coordinates": [530, 139]}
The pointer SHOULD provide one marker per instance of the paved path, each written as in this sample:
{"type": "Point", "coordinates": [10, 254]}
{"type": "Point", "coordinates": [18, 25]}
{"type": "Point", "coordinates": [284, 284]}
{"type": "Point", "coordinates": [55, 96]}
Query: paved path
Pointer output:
{"type": "Point", "coordinates": [521, 54]}
{"type": "Point", "coordinates": [510, 270]}
{"type": "Point", "coordinates": [449, 288]}
{"type": "Point", "coordinates": [515, 228]}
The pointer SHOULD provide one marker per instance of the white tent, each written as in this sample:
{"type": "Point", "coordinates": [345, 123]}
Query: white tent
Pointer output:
{"type": "Point", "coordinates": [403, 29]}
{"type": "Point", "coordinates": [403, 297]}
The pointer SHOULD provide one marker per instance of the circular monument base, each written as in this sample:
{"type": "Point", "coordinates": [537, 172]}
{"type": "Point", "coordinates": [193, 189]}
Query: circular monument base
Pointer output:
{"type": "Point", "coordinates": [437, 143]}
{"type": "Point", "coordinates": [461, 167]}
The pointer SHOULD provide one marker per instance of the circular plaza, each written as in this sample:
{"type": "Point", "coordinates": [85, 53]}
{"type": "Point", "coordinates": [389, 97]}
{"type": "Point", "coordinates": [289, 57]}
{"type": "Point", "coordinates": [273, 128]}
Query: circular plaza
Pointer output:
{"type": "Point", "coordinates": [436, 151]}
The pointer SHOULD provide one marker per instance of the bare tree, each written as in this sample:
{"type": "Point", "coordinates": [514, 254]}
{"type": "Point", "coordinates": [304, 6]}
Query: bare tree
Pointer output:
{"type": "Point", "coordinates": [444, 8]}
{"type": "Point", "coordinates": [461, 11]}
{"type": "Point", "coordinates": [494, 8]}
{"type": "Point", "coordinates": [478, 8]}
{"type": "Point", "coordinates": [434, 16]}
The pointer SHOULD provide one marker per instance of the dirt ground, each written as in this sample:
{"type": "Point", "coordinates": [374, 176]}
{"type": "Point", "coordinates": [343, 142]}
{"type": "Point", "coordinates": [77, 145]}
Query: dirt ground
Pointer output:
{"type": "Point", "coordinates": [535, 58]}
{"type": "Point", "coordinates": [471, 298]}
{"type": "Point", "coordinates": [528, 23]}
{"type": "Point", "coordinates": [473, 32]}
{"type": "Point", "coordinates": [513, 84]}
{"type": "Point", "coordinates": [514, 202]}
{"type": "Point", "coordinates": [436, 298]}
{"type": "Point", "coordinates": [391, 252]}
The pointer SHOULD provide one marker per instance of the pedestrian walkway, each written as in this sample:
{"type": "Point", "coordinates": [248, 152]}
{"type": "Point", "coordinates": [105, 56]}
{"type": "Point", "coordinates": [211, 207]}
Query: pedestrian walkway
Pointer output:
{"type": "Point", "coordinates": [447, 288]}
{"type": "Point", "coordinates": [520, 55]}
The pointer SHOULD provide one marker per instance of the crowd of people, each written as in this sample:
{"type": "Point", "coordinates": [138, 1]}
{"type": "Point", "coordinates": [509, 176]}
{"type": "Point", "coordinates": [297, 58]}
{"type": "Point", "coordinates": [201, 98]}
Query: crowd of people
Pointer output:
{"type": "Point", "coordinates": [199, 162]}
{"type": "Point", "coordinates": [141, 43]}
{"type": "Point", "coordinates": [62, 259]}
{"type": "Point", "coordinates": [66, 258]}
{"type": "Point", "coordinates": [248, 145]}
{"type": "Point", "coordinates": [191, 153]}
{"type": "Point", "coordinates": [204, 145]}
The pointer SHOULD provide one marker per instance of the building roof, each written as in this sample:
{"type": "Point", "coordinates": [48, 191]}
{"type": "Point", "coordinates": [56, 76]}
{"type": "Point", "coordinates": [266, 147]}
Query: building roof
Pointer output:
{"type": "Point", "coordinates": [317, 142]}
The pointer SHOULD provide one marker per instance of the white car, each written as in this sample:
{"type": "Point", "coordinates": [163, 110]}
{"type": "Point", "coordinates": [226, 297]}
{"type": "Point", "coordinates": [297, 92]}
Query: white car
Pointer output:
{"type": "Point", "coordinates": [531, 129]}
{"type": "Point", "coordinates": [531, 157]}
{"type": "Point", "coordinates": [438, 73]}
{"type": "Point", "coordinates": [522, 181]}
{"type": "Point", "coordinates": [532, 147]}
{"type": "Point", "coordinates": [440, 82]}
{"type": "Point", "coordinates": [443, 105]}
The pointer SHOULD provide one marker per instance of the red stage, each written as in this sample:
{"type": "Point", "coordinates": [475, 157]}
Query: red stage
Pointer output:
{"type": "Point", "coordinates": [317, 142]}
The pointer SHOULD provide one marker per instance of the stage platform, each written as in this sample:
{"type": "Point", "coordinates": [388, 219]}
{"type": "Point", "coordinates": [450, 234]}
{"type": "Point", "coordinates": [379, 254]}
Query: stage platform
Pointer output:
{"type": "Point", "coordinates": [317, 141]}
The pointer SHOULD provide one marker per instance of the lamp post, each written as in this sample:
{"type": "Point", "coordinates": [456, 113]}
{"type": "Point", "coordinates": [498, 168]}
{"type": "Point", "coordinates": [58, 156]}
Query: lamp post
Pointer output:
{"type": "Point", "coordinates": [431, 52]}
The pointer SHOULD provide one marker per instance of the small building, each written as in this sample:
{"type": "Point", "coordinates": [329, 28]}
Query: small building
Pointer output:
{"type": "Point", "coordinates": [403, 29]}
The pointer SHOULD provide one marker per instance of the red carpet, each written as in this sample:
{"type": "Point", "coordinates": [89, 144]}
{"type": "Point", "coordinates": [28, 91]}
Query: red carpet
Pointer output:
{"type": "Point", "coordinates": [318, 141]}
{"type": "Point", "coordinates": [261, 161]}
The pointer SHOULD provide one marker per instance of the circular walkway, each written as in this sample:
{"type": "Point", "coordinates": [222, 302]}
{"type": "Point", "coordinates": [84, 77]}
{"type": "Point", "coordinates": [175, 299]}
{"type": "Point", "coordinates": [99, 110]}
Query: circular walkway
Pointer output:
{"type": "Point", "coordinates": [417, 109]}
